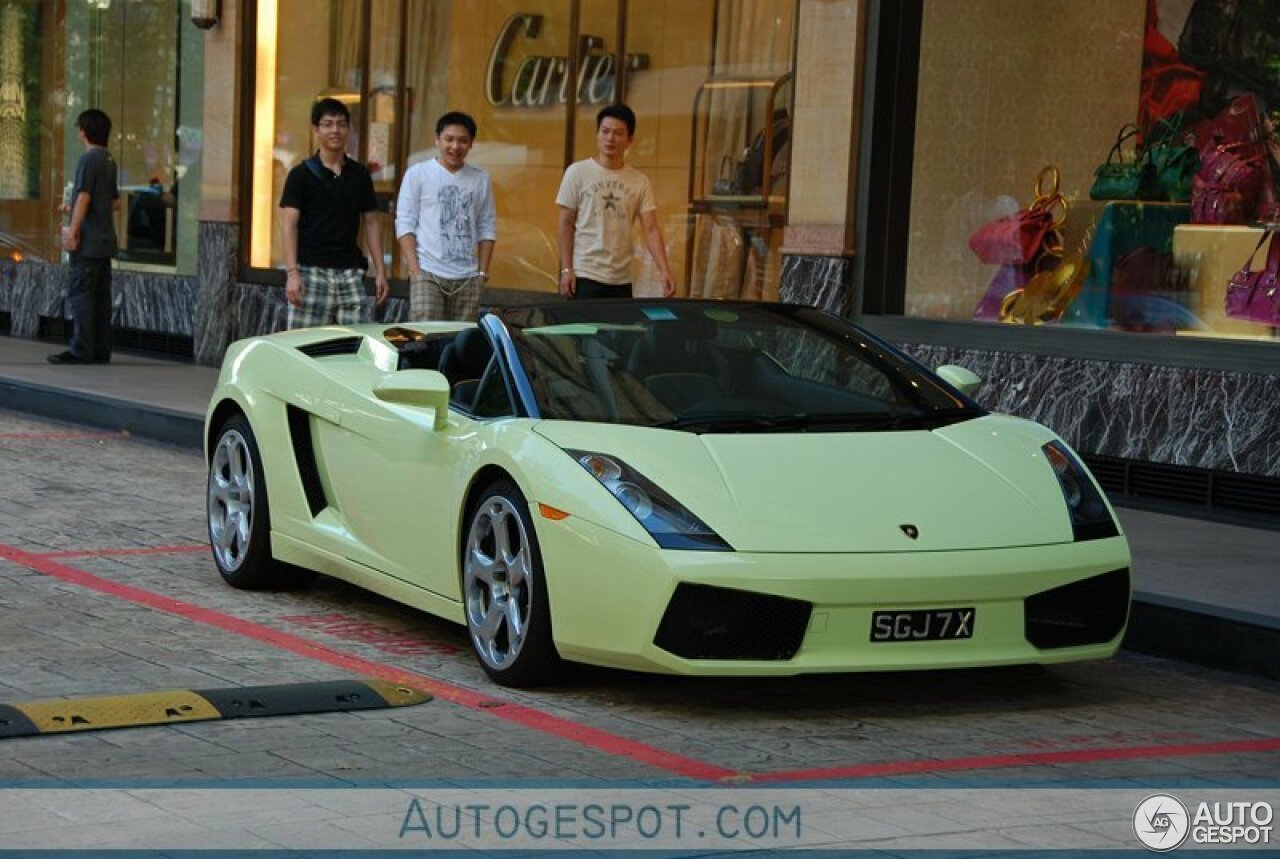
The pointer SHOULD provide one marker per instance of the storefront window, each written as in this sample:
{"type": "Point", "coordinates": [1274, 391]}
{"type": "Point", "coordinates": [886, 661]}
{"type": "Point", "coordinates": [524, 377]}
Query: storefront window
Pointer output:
{"type": "Point", "coordinates": [1159, 139]}
{"type": "Point", "coordinates": [142, 62]}
{"type": "Point", "coordinates": [27, 225]}
{"type": "Point", "coordinates": [507, 63]}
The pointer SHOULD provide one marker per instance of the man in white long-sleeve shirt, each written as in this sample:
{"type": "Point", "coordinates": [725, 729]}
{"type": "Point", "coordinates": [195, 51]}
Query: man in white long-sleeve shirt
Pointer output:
{"type": "Point", "coordinates": [446, 223]}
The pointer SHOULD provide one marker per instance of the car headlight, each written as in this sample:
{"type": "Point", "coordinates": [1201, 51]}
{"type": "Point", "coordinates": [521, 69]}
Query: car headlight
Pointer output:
{"type": "Point", "coordinates": [1090, 518]}
{"type": "Point", "coordinates": [670, 523]}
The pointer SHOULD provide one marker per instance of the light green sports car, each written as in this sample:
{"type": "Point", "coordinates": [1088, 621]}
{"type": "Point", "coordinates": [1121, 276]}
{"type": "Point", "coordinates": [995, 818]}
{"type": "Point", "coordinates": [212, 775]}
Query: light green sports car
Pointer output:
{"type": "Point", "coordinates": [689, 487]}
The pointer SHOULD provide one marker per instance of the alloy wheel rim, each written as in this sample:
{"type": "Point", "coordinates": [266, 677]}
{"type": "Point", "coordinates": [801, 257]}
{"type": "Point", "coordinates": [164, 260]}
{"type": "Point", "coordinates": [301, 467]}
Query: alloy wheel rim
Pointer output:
{"type": "Point", "coordinates": [498, 582]}
{"type": "Point", "coordinates": [231, 500]}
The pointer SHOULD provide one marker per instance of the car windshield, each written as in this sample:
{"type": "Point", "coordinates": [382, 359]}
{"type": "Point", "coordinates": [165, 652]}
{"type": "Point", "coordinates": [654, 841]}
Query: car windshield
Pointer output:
{"type": "Point", "coordinates": [705, 366]}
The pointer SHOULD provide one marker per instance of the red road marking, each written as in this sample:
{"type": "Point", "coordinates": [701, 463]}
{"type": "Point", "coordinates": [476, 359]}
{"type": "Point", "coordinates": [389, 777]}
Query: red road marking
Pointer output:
{"type": "Point", "coordinates": [593, 737]}
{"type": "Point", "coordinates": [512, 712]}
{"type": "Point", "coordinates": [987, 762]}
{"type": "Point", "coordinates": [148, 550]}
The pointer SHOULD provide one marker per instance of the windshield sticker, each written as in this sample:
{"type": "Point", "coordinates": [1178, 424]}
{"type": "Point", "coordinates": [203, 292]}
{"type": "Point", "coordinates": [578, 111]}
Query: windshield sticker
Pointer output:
{"type": "Point", "coordinates": [659, 314]}
{"type": "Point", "coordinates": [721, 315]}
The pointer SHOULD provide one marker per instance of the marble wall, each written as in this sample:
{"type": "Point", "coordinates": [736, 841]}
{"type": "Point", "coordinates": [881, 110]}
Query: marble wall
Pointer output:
{"type": "Point", "coordinates": [144, 301]}
{"type": "Point", "coordinates": [1199, 418]}
{"type": "Point", "coordinates": [819, 281]}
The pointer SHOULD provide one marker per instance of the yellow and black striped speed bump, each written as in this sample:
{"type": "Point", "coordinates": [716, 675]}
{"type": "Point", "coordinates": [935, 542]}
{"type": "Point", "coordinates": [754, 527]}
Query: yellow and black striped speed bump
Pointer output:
{"type": "Point", "coordinates": [181, 705]}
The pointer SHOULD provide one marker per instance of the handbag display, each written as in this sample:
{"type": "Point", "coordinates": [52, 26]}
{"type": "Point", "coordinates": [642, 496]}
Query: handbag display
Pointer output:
{"type": "Point", "coordinates": [1173, 164]}
{"type": "Point", "coordinates": [1019, 238]}
{"type": "Point", "coordinates": [1026, 245]}
{"type": "Point", "coordinates": [1255, 295]}
{"type": "Point", "coordinates": [1118, 179]}
{"type": "Point", "coordinates": [1239, 122]}
{"type": "Point", "coordinates": [1227, 188]}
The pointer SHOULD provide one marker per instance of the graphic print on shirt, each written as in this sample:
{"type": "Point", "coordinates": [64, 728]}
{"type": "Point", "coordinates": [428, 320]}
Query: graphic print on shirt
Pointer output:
{"type": "Point", "coordinates": [456, 231]}
{"type": "Point", "coordinates": [610, 198]}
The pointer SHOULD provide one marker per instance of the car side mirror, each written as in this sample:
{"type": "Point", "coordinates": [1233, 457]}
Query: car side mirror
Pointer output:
{"type": "Point", "coordinates": [962, 379]}
{"type": "Point", "coordinates": [418, 388]}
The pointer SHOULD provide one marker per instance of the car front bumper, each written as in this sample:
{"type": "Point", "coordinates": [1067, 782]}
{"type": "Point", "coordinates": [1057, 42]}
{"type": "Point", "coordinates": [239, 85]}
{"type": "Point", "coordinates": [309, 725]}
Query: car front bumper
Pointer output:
{"type": "Point", "coordinates": [609, 595]}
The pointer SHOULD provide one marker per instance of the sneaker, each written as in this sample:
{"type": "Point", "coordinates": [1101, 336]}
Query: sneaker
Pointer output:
{"type": "Point", "coordinates": [66, 358]}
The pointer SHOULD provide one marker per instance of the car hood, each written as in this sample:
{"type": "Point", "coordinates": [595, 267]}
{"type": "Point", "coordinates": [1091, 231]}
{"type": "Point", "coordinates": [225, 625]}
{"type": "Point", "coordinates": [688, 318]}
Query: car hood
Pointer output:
{"type": "Point", "coordinates": [978, 484]}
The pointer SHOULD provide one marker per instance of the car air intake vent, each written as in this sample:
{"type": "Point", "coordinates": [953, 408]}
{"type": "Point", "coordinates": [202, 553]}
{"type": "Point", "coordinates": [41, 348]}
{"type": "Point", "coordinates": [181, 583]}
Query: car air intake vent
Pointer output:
{"type": "Point", "coordinates": [1092, 611]}
{"type": "Point", "coordinates": [705, 622]}
{"type": "Point", "coordinates": [329, 348]}
{"type": "Point", "coordinates": [305, 457]}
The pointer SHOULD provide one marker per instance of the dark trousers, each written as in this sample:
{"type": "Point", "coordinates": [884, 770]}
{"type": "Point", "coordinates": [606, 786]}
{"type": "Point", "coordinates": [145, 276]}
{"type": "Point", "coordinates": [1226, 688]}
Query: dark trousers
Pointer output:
{"type": "Point", "coordinates": [585, 287]}
{"type": "Point", "coordinates": [89, 300]}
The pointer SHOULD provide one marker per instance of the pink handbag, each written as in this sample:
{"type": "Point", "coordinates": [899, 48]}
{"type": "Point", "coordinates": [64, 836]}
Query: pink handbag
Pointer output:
{"type": "Point", "coordinates": [1016, 239]}
{"type": "Point", "coordinates": [1227, 188]}
{"type": "Point", "coordinates": [1255, 295]}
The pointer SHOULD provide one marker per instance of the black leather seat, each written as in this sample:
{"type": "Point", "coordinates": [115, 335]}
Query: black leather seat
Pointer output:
{"type": "Point", "coordinates": [463, 362]}
{"type": "Point", "coordinates": [675, 362]}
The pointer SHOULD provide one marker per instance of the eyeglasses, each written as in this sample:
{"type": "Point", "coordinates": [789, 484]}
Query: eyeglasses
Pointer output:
{"type": "Point", "coordinates": [331, 124]}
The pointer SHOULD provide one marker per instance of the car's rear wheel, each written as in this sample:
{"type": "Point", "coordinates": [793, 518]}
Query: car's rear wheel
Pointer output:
{"type": "Point", "coordinates": [504, 591]}
{"type": "Point", "coordinates": [239, 516]}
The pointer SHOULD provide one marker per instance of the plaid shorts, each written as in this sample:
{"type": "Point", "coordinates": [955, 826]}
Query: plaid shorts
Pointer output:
{"type": "Point", "coordinates": [432, 297]}
{"type": "Point", "coordinates": [329, 295]}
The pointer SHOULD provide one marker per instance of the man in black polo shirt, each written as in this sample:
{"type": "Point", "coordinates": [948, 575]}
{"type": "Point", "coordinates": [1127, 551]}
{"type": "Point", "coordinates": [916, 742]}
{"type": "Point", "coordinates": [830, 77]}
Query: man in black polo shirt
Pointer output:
{"type": "Point", "coordinates": [324, 201]}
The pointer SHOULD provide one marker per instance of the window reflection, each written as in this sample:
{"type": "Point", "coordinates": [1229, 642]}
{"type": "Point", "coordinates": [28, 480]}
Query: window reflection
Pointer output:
{"type": "Point", "coordinates": [400, 64]}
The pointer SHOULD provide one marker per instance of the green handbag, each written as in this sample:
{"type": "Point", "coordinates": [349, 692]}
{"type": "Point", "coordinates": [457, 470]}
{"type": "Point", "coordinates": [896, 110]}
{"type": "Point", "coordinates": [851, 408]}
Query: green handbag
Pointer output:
{"type": "Point", "coordinates": [1173, 164]}
{"type": "Point", "coordinates": [1118, 179]}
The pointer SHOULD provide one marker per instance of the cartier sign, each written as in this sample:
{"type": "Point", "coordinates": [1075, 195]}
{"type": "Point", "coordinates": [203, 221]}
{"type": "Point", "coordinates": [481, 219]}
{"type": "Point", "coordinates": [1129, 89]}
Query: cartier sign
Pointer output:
{"type": "Point", "coordinates": [540, 80]}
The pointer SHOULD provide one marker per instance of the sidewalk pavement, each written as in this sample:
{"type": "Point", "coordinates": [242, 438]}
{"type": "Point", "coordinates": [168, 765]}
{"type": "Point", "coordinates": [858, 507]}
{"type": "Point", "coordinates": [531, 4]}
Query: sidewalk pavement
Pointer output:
{"type": "Point", "coordinates": [1204, 591]}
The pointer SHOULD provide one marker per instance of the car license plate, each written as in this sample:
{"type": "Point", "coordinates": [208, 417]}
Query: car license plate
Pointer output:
{"type": "Point", "coordinates": [938, 624]}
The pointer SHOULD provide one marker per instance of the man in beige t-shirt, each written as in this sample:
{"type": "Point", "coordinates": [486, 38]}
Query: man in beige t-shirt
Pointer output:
{"type": "Point", "coordinates": [599, 198]}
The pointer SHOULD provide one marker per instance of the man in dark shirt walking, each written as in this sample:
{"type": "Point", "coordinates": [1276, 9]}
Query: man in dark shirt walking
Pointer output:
{"type": "Point", "coordinates": [90, 242]}
{"type": "Point", "coordinates": [325, 199]}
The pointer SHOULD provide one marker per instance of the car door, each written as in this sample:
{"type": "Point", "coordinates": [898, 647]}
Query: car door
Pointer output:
{"type": "Point", "coordinates": [394, 480]}
{"type": "Point", "coordinates": [399, 483]}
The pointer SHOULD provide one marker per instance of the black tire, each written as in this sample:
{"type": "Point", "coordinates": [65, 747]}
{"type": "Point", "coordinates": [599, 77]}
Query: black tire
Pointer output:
{"type": "Point", "coordinates": [238, 513]}
{"type": "Point", "coordinates": [502, 577]}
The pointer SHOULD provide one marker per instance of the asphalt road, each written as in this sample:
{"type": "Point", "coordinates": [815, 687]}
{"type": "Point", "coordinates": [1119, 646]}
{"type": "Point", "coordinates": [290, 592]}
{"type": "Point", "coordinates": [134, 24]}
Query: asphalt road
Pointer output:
{"type": "Point", "coordinates": [107, 588]}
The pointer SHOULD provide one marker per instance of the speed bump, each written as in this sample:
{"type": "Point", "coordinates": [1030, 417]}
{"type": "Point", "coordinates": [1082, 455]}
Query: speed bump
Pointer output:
{"type": "Point", "coordinates": [63, 715]}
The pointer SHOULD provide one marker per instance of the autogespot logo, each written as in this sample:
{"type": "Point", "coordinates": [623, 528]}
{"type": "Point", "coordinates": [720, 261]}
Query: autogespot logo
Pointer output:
{"type": "Point", "coordinates": [1161, 822]}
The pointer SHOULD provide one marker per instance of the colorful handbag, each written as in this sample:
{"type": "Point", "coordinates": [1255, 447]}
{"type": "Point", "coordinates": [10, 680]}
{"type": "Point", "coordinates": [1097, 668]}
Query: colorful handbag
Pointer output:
{"type": "Point", "coordinates": [1118, 179]}
{"type": "Point", "coordinates": [1227, 188]}
{"type": "Point", "coordinates": [1019, 238]}
{"type": "Point", "coordinates": [1173, 165]}
{"type": "Point", "coordinates": [1255, 295]}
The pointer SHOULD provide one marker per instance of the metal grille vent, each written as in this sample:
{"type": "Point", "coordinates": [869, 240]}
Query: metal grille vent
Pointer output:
{"type": "Point", "coordinates": [1200, 487]}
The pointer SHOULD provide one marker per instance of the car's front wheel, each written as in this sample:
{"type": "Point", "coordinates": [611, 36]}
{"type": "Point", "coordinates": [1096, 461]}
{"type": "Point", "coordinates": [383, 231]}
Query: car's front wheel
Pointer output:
{"type": "Point", "coordinates": [239, 517]}
{"type": "Point", "coordinates": [505, 594]}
